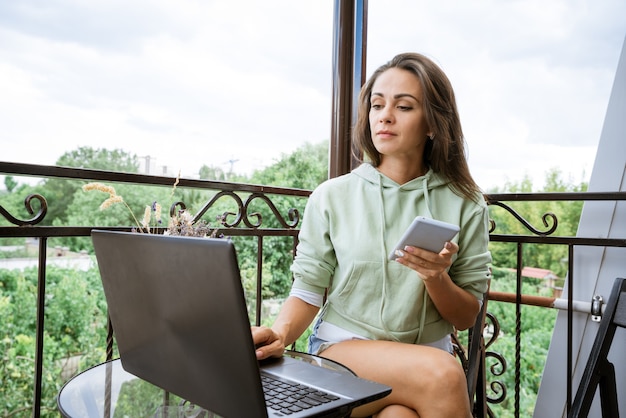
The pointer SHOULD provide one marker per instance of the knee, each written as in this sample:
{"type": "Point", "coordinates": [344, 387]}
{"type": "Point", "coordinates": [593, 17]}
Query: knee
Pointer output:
{"type": "Point", "coordinates": [443, 372]}
{"type": "Point", "coordinates": [396, 411]}
{"type": "Point", "coordinates": [453, 373]}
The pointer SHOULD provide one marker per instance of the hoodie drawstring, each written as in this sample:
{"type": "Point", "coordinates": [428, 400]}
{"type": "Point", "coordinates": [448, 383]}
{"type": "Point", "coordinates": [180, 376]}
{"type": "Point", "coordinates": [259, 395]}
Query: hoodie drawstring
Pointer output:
{"type": "Point", "coordinates": [384, 260]}
{"type": "Point", "coordinates": [425, 298]}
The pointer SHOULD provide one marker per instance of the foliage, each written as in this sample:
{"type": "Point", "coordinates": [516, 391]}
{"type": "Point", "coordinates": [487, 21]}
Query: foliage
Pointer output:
{"type": "Point", "coordinates": [75, 325]}
{"type": "Point", "coordinates": [180, 222]}
{"type": "Point", "coordinates": [212, 173]}
{"type": "Point", "coordinates": [10, 183]}
{"type": "Point", "coordinates": [100, 159]}
{"type": "Point", "coordinates": [58, 192]}
{"type": "Point", "coordinates": [305, 168]}
{"type": "Point", "coordinates": [140, 398]}
{"type": "Point", "coordinates": [14, 202]}
{"type": "Point", "coordinates": [536, 324]}
{"type": "Point", "coordinates": [551, 257]}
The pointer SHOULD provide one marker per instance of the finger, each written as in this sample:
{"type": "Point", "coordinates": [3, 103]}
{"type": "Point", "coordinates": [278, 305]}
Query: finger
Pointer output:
{"type": "Point", "coordinates": [262, 336]}
{"type": "Point", "coordinates": [409, 260]}
{"type": "Point", "coordinates": [449, 248]}
{"type": "Point", "coordinates": [421, 253]}
{"type": "Point", "coordinates": [274, 349]}
{"type": "Point", "coordinates": [257, 335]}
{"type": "Point", "coordinates": [261, 354]}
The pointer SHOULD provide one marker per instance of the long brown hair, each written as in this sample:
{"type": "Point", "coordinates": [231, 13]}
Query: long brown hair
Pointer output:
{"type": "Point", "coordinates": [445, 152]}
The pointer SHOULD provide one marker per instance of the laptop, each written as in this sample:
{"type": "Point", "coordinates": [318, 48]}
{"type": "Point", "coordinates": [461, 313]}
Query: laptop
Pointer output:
{"type": "Point", "coordinates": [180, 320]}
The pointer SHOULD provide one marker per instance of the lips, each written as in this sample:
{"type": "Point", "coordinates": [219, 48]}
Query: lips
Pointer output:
{"type": "Point", "coordinates": [385, 133]}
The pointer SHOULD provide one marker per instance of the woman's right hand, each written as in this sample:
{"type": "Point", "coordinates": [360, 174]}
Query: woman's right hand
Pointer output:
{"type": "Point", "coordinates": [294, 317]}
{"type": "Point", "coordinates": [267, 343]}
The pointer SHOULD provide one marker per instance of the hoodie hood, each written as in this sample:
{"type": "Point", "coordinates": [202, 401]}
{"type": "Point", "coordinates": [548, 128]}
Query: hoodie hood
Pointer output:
{"type": "Point", "coordinates": [370, 174]}
{"type": "Point", "coordinates": [425, 184]}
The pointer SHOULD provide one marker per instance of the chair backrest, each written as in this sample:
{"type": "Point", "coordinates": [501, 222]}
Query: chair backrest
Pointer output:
{"type": "Point", "coordinates": [599, 371]}
{"type": "Point", "coordinates": [475, 374]}
{"type": "Point", "coordinates": [473, 361]}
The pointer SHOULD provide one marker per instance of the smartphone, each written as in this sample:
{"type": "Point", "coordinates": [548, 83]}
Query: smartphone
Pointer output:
{"type": "Point", "coordinates": [426, 233]}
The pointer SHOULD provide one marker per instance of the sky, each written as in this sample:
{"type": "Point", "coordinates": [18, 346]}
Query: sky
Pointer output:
{"type": "Point", "coordinates": [238, 84]}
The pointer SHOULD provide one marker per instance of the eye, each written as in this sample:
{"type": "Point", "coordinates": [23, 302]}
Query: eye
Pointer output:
{"type": "Point", "coordinates": [376, 106]}
{"type": "Point", "coordinates": [405, 108]}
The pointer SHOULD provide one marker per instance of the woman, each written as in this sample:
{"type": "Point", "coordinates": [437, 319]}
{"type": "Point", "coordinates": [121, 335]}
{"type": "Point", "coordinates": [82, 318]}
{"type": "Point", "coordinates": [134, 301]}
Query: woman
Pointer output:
{"type": "Point", "coordinates": [390, 321]}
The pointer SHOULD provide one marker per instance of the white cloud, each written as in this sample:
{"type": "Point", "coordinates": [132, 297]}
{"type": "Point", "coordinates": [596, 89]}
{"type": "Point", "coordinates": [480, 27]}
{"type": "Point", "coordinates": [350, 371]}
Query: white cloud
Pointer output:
{"type": "Point", "coordinates": [532, 78]}
{"type": "Point", "coordinates": [194, 82]}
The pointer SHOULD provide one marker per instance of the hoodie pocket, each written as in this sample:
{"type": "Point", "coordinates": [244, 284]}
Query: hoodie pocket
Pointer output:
{"type": "Point", "coordinates": [370, 297]}
{"type": "Point", "coordinates": [361, 291]}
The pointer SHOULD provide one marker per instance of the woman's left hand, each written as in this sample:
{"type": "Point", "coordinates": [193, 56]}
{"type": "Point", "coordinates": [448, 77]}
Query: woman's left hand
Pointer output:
{"type": "Point", "coordinates": [430, 266]}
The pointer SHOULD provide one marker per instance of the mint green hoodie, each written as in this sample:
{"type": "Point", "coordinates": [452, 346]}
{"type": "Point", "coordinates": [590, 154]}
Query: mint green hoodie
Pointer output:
{"type": "Point", "coordinates": [349, 226]}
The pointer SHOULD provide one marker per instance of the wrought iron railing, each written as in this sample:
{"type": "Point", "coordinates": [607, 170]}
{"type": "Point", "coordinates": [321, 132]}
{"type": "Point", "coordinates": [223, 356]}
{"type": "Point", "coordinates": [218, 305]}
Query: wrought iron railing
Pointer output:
{"type": "Point", "coordinates": [247, 222]}
{"type": "Point", "coordinates": [243, 221]}
{"type": "Point", "coordinates": [544, 236]}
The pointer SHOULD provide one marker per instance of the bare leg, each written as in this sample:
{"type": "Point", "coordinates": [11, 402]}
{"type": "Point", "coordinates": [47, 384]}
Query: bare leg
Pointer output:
{"type": "Point", "coordinates": [396, 411]}
{"type": "Point", "coordinates": [426, 381]}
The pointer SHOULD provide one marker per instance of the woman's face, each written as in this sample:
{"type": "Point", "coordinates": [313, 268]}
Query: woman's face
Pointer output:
{"type": "Point", "coordinates": [396, 116]}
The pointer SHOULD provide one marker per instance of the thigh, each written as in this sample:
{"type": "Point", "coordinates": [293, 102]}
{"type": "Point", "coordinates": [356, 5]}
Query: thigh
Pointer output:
{"type": "Point", "coordinates": [417, 374]}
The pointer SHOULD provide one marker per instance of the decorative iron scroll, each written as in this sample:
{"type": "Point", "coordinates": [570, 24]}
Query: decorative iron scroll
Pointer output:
{"type": "Point", "coordinates": [293, 215]}
{"type": "Point", "coordinates": [43, 209]}
{"type": "Point", "coordinates": [498, 365]}
{"type": "Point", "coordinates": [524, 222]}
{"type": "Point", "coordinates": [251, 220]}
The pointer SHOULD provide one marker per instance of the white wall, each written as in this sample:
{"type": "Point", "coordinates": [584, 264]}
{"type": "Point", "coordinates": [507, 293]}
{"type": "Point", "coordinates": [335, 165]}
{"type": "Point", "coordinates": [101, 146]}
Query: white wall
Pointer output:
{"type": "Point", "coordinates": [595, 268]}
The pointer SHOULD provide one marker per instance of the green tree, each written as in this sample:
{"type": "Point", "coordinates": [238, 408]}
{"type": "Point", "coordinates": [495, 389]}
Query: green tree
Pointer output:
{"type": "Point", "coordinates": [536, 324]}
{"type": "Point", "coordinates": [536, 327]}
{"type": "Point", "coordinates": [100, 159]}
{"type": "Point", "coordinates": [212, 173]}
{"type": "Point", "coordinates": [10, 183]}
{"type": "Point", "coordinates": [84, 210]}
{"type": "Point", "coordinates": [567, 213]}
{"type": "Point", "coordinates": [58, 192]}
{"type": "Point", "coordinates": [305, 168]}
{"type": "Point", "coordinates": [75, 326]}
{"type": "Point", "coordinates": [14, 203]}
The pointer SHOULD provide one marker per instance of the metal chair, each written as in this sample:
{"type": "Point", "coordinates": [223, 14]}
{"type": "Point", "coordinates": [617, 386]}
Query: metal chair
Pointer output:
{"type": "Point", "coordinates": [473, 361]}
{"type": "Point", "coordinates": [600, 371]}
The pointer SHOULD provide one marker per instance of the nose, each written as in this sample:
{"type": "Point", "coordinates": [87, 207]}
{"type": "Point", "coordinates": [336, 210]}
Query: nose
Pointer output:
{"type": "Point", "coordinates": [385, 116]}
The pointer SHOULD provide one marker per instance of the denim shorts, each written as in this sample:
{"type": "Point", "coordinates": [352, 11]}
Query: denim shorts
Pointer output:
{"type": "Point", "coordinates": [317, 345]}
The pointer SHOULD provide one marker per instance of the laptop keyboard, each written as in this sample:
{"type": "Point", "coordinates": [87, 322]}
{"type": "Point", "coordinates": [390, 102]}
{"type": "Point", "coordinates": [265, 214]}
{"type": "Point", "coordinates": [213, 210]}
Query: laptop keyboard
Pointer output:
{"type": "Point", "coordinates": [287, 398]}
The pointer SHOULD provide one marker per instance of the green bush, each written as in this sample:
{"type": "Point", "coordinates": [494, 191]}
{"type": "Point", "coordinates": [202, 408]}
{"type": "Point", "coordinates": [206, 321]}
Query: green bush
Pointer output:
{"type": "Point", "coordinates": [536, 327]}
{"type": "Point", "coordinates": [74, 325]}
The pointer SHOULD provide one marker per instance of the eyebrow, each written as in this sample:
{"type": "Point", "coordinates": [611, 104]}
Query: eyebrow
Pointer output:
{"type": "Point", "coordinates": [397, 96]}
